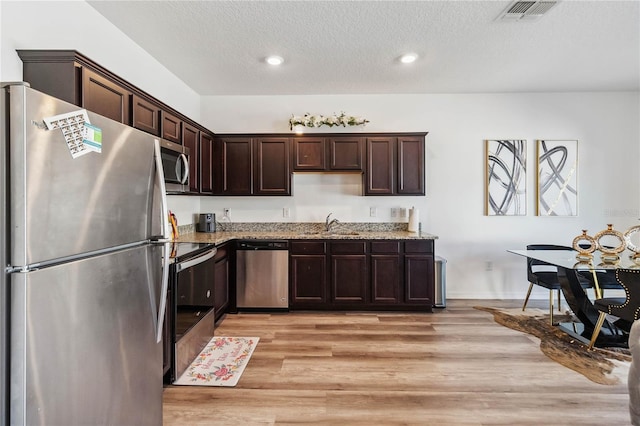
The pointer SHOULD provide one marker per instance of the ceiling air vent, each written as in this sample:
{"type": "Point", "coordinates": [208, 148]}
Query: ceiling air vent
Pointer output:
{"type": "Point", "coordinates": [527, 10]}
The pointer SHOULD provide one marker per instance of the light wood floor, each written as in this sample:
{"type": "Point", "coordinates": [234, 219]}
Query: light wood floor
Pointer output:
{"type": "Point", "coordinates": [453, 367]}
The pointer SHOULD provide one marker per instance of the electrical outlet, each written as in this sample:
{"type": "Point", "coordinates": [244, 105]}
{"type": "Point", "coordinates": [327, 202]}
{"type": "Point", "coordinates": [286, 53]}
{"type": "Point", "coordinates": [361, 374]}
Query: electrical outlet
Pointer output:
{"type": "Point", "coordinates": [403, 212]}
{"type": "Point", "coordinates": [372, 211]}
{"type": "Point", "coordinates": [225, 212]}
{"type": "Point", "coordinates": [286, 212]}
{"type": "Point", "coordinates": [488, 266]}
{"type": "Point", "coordinates": [394, 212]}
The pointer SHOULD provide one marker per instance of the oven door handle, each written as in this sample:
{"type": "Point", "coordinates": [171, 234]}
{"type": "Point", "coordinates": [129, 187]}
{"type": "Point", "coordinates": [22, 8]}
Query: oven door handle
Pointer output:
{"type": "Point", "coordinates": [196, 260]}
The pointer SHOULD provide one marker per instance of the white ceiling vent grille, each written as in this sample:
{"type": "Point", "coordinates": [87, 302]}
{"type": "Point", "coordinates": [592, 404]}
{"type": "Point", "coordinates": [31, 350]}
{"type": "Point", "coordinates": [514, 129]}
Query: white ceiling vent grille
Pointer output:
{"type": "Point", "coordinates": [527, 10]}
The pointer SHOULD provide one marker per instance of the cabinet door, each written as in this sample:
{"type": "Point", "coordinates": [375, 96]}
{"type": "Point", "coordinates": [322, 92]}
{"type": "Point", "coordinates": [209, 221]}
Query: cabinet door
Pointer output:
{"type": "Point", "coordinates": [308, 280]}
{"type": "Point", "coordinates": [105, 97]}
{"type": "Point", "coordinates": [146, 116]}
{"type": "Point", "coordinates": [308, 154]}
{"type": "Point", "coordinates": [379, 175]}
{"type": "Point", "coordinates": [171, 128]}
{"type": "Point", "coordinates": [385, 279]}
{"type": "Point", "coordinates": [271, 175]}
{"type": "Point", "coordinates": [237, 165]}
{"type": "Point", "coordinates": [410, 154]}
{"type": "Point", "coordinates": [206, 163]}
{"type": "Point", "coordinates": [221, 286]}
{"type": "Point", "coordinates": [349, 278]}
{"type": "Point", "coordinates": [419, 279]}
{"type": "Point", "coordinates": [191, 140]}
{"type": "Point", "coordinates": [345, 153]}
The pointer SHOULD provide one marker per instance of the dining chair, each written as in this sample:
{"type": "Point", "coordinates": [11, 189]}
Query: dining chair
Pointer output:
{"type": "Point", "coordinates": [546, 275]}
{"type": "Point", "coordinates": [625, 308]}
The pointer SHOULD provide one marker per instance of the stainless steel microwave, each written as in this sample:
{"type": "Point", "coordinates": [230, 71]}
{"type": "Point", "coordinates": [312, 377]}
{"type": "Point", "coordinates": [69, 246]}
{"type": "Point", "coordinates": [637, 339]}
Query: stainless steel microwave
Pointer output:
{"type": "Point", "coordinates": [175, 162]}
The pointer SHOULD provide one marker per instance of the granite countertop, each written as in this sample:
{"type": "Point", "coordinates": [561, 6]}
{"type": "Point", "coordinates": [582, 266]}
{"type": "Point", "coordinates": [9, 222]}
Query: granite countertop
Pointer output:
{"type": "Point", "coordinates": [224, 236]}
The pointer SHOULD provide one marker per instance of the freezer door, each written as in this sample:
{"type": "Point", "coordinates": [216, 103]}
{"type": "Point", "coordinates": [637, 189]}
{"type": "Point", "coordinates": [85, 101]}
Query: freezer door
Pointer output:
{"type": "Point", "coordinates": [83, 342]}
{"type": "Point", "coordinates": [61, 206]}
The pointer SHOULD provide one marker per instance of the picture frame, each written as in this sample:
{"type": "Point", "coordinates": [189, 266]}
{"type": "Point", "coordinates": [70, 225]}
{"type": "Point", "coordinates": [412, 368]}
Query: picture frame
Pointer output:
{"type": "Point", "coordinates": [557, 177]}
{"type": "Point", "coordinates": [506, 177]}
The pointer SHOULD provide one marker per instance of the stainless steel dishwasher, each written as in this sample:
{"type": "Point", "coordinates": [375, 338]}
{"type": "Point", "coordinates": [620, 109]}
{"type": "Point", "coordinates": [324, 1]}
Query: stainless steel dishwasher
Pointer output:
{"type": "Point", "coordinates": [262, 274]}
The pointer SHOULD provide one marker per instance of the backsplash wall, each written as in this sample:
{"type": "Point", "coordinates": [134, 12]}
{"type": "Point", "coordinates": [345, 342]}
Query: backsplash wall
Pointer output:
{"type": "Point", "coordinates": [315, 195]}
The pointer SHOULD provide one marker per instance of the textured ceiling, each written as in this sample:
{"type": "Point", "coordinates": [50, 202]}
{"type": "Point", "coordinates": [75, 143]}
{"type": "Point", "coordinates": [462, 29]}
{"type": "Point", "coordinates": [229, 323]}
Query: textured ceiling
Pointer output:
{"type": "Point", "coordinates": [351, 47]}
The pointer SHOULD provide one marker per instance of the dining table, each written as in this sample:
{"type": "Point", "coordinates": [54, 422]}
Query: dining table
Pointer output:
{"type": "Point", "coordinates": [570, 266]}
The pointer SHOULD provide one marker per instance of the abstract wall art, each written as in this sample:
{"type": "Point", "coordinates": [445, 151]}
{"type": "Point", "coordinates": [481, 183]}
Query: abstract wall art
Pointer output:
{"type": "Point", "coordinates": [557, 174]}
{"type": "Point", "coordinates": [506, 181]}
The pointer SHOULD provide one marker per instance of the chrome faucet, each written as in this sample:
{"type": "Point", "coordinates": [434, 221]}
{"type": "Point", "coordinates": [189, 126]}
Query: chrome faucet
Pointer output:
{"type": "Point", "coordinates": [330, 223]}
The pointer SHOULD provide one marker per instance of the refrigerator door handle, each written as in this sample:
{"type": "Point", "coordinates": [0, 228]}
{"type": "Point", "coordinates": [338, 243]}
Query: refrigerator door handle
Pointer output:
{"type": "Point", "coordinates": [164, 210]}
{"type": "Point", "coordinates": [166, 261]}
{"type": "Point", "coordinates": [185, 165]}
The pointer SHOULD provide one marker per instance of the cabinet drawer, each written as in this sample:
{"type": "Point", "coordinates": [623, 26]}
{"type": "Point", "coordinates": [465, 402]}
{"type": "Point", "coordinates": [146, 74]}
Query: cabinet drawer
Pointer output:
{"type": "Point", "coordinates": [423, 246]}
{"type": "Point", "coordinates": [307, 247]}
{"type": "Point", "coordinates": [385, 247]}
{"type": "Point", "coordinates": [351, 247]}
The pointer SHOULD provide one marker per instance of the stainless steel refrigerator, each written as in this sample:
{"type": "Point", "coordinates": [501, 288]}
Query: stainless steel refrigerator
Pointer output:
{"type": "Point", "coordinates": [82, 294]}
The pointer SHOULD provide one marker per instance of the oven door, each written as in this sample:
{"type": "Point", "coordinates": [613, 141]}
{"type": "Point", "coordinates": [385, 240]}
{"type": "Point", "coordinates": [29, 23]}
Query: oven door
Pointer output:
{"type": "Point", "coordinates": [175, 162]}
{"type": "Point", "coordinates": [194, 319]}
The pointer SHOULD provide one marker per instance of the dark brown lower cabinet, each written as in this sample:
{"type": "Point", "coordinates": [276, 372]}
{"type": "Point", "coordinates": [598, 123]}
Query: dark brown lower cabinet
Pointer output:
{"type": "Point", "coordinates": [309, 280]}
{"type": "Point", "coordinates": [221, 280]}
{"type": "Point", "coordinates": [308, 271]}
{"type": "Point", "coordinates": [361, 275]}
{"type": "Point", "coordinates": [349, 278]}
{"type": "Point", "coordinates": [385, 278]}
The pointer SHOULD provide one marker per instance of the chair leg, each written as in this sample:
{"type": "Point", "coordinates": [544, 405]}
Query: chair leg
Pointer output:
{"type": "Point", "coordinates": [526, 299]}
{"type": "Point", "coordinates": [551, 307]}
{"type": "Point", "coordinates": [596, 330]}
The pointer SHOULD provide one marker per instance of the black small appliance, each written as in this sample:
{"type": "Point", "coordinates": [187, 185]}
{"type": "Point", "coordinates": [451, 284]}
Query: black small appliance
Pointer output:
{"type": "Point", "coordinates": [207, 222]}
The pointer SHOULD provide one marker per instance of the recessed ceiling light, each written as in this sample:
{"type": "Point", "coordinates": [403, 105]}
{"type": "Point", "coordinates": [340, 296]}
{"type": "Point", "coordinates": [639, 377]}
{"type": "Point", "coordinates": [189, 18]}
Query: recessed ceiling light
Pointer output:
{"type": "Point", "coordinates": [408, 58]}
{"type": "Point", "coordinates": [274, 60]}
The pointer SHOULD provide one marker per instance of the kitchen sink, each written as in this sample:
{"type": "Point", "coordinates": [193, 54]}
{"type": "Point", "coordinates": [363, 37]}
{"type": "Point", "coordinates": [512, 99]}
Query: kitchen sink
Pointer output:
{"type": "Point", "coordinates": [330, 233]}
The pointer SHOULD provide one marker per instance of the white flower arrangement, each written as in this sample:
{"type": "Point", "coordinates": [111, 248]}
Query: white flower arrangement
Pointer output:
{"type": "Point", "coordinates": [309, 120]}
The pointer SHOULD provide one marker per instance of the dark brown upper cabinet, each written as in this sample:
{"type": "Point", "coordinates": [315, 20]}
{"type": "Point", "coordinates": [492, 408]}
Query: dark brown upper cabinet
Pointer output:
{"type": "Point", "coordinates": [191, 140]}
{"type": "Point", "coordinates": [105, 97]}
{"type": "Point", "coordinates": [237, 165]}
{"type": "Point", "coordinates": [410, 165]}
{"type": "Point", "coordinates": [254, 166]}
{"type": "Point", "coordinates": [309, 154]}
{"type": "Point", "coordinates": [171, 128]}
{"type": "Point", "coordinates": [395, 165]}
{"type": "Point", "coordinates": [146, 115]}
{"type": "Point", "coordinates": [207, 175]}
{"type": "Point", "coordinates": [72, 77]}
{"type": "Point", "coordinates": [324, 153]}
{"type": "Point", "coordinates": [272, 175]}
{"type": "Point", "coordinates": [345, 153]}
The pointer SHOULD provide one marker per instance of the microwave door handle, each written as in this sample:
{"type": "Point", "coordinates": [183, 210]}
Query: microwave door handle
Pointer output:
{"type": "Point", "coordinates": [195, 261]}
{"type": "Point", "coordinates": [164, 209]}
{"type": "Point", "coordinates": [185, 164]}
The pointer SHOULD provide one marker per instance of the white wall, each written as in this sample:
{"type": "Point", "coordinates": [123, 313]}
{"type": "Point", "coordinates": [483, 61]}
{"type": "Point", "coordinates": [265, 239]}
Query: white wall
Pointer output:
{"type": "Point", "coordinates": [76, 25]}
{"type": "Point", "coordinates": [606, 126]}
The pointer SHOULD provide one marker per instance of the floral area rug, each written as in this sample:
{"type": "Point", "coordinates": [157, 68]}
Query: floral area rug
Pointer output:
{"type": "Point", "coordinates": [220, 363]}
{"type": "Point", "coordinates": [606, 366]}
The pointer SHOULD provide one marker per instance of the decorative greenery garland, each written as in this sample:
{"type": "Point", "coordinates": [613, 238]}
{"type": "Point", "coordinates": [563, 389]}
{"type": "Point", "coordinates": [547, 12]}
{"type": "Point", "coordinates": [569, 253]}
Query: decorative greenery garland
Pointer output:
{"type": "Point", "coordinates": [342, 119]}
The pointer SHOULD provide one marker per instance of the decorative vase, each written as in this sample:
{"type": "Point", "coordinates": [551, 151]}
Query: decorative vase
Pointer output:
{"type": "Point", "coordinates": [630, 245]}
{"type": "Point", "coordinates": [610, 251]}
{"type": "Point", "coordinates": [585, 245]}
